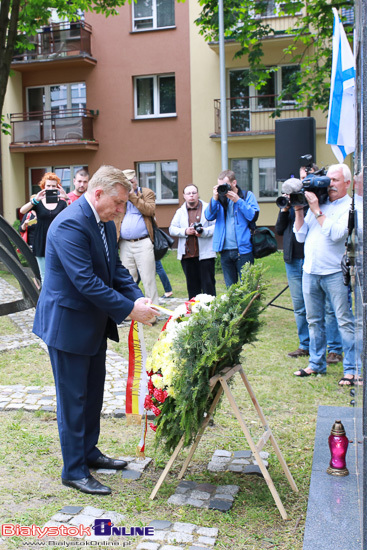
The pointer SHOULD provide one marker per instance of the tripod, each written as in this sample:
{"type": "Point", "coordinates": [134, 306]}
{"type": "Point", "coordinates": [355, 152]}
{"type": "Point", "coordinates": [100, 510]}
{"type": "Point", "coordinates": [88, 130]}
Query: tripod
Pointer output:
{"type": "Point", "coordinates": [275, 298]}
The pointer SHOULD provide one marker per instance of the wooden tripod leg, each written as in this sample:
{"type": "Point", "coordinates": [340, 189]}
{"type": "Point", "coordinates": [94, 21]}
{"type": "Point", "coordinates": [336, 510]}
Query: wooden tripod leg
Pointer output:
{"type": "Point", "coordinates": [254, 450]}
{"type": "Point", "coordinates": [283, 463]}
{"type": "Point", "coordinates": [200, 433]}
{"type": "Point", "coordinates": [167, 468]}
{"type": "Point", "coordinates": [274, 443]}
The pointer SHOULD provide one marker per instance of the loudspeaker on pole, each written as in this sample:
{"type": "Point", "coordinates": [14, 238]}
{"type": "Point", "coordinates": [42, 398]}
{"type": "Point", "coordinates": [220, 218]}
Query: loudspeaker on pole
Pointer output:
{"type": "Point", "coordinates": [294, 137]}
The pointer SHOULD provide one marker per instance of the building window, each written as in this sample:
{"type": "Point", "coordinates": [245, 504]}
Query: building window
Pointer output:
{"type": "Point", "coordinates": [257, 175]}
{"type": "Point", "coordinates": [239, 101]}
{"type": "Point", "coordinates": [243, 170]}
{"type": "Point", "coordinates": [267, 182]}
{"type": "Point", "coordinates": [57, 98]}
{"type": "Point", "coordinates": [153, 14]}
{"type": "Point", "coordinates": [155, 96]}
{"type": "Point", "coordinates": [161, 177]}
{"type": "Point", "coordinates": [65, 173]}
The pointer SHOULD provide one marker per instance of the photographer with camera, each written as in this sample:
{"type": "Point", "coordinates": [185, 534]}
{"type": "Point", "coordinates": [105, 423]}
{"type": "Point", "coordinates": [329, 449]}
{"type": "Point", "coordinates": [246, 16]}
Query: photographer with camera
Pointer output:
{"type": "Point", "coordinates": [47, 204]}
{"type": "Point", "coordinates": [293, 253]}
{"type": "Point", "coordinates": [233, 211]}
{"type": "Point", "coordinates": [195, 243]}
{"type": "Point", "coordinates": [324, 232]}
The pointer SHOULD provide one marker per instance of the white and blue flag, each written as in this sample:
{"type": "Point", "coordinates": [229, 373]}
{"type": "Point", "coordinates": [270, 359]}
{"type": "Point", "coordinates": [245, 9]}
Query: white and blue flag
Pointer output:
{"type": "Point", "coordinates": [340, 131]}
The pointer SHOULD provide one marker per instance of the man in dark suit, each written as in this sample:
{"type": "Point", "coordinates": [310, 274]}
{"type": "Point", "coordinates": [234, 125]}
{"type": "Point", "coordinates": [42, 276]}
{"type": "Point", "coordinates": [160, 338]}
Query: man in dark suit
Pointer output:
{"type": "Point", "coordinates": [86, 293]}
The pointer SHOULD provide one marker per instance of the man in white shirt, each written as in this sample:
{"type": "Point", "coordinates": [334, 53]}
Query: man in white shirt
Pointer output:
{"type": "Point", "coordinates": [324, 233]}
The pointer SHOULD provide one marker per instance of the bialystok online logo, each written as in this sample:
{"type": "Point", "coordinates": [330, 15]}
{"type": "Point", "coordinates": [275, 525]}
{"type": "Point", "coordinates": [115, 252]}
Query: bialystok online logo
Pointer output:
{"type": "Point", "coordinates": [101, 528]}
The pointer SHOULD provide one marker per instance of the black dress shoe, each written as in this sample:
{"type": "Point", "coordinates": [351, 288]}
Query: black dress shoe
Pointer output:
{"type": "Point", "coordinates": [107, 463]}
{"type": "Point", "coordinates": [87, 485]}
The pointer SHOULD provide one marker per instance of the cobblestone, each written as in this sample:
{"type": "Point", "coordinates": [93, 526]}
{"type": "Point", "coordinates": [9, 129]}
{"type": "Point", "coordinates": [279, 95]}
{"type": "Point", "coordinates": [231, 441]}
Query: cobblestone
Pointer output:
{"type": "Point", "coordinates": [216, 497]}
{"type": "Point", "coordinates": [34, 398]}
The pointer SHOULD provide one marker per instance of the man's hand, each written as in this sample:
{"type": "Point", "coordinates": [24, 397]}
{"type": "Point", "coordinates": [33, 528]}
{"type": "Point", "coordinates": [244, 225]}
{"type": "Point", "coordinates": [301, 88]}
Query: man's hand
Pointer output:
{"type": "Point", "coordinates": [313, 201]}
{"type": "Point", "coordinates": [191, 231]}
{"type": "Point", "coordinates": [232, 196]}
{"type": "Point", "coordinates": [287, 207]}
{"type": "Point", "coordinates": [143, 312]}
{"type": "Point", "coordinates": [215, 192]}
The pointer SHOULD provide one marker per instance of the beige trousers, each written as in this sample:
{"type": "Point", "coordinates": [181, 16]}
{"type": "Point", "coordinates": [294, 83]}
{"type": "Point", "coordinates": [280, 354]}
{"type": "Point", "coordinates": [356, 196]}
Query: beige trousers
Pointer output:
{"type": "Point", "coordinates": [137, 257]}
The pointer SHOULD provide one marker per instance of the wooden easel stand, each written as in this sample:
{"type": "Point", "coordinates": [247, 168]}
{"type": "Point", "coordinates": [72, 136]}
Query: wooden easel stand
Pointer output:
{"type": "Point", "coordinates": [222, 378]}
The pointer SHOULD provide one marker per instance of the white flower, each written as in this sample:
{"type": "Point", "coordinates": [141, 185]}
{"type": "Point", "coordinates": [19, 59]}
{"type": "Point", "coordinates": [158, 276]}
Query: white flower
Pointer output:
{"type": "Point", "coordinates": [180, 311]}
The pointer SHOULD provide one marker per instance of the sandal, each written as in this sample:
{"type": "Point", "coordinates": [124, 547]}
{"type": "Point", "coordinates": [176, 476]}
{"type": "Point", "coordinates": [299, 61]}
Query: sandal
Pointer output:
{"type": "Point", "coordinates": [302, 373]}
{"type": "Point", "coordinates": [349, 380]}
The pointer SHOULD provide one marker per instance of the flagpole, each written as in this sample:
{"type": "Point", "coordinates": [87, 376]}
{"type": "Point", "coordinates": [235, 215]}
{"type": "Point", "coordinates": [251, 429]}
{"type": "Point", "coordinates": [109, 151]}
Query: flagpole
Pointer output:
{"type": "Point", "coordinates": [223, 98]}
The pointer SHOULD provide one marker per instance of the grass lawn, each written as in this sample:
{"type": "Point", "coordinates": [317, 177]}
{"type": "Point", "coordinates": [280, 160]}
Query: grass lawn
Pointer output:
{"type": "Point", "coordinates": [30, 458]}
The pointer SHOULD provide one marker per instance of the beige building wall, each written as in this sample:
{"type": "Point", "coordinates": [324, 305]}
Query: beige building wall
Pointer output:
{"type": "Point", "coordinates": [12, 165]}
{"type": "Point", "coordinates": [204, 67]}
{"type": "Point", "coordinates": [205, 87]}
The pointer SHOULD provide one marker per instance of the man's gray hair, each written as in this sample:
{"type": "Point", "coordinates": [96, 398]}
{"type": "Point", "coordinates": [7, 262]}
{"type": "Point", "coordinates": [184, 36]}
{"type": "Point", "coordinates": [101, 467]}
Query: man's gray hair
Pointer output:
{"type": "Point", "coordinates": [345, 169]}
{"type": "Point", "coordinates": [107, 177]}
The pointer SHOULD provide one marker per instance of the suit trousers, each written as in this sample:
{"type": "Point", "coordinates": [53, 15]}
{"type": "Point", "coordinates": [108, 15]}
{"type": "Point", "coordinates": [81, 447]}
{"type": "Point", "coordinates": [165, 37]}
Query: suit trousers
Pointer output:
{"type": "Point", "coordinates": [79, 381]}
{"type": "Point", "coordinates": [138, 258]}
{"type": "Point", "coordinates": [200, 276]}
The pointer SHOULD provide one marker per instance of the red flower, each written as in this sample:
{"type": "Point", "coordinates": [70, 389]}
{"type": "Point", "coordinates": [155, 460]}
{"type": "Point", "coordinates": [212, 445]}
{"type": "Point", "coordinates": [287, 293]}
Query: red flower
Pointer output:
{"type": "Point", "coordinates": [148, 403]}
{"type": "Point", "coordinates": [155, 410]}
{"type": "Point", "coordinates": [150, 387]}
{"type": "Point", "coordinates": [153, 426]}
{"type": "Point", "coordinates": [150, 373]}
{"type": "Point", "coordinates": [160, 395]}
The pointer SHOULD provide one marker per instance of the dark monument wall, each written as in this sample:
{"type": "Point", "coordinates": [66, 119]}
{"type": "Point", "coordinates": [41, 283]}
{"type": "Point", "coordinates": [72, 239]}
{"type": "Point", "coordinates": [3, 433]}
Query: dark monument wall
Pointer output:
{"type": "Point", "coordinates": [360, 290]}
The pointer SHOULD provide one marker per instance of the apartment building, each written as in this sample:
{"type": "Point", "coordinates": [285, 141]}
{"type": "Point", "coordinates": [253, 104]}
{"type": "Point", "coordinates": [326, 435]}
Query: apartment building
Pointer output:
{"type": "Point", "coordinates": [141, 90]}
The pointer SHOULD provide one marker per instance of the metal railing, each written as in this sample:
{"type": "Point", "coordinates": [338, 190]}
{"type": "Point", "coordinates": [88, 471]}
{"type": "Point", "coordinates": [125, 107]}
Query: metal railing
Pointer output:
{"type": "Point", "coordinates": [56, 41]}
{"type": "Point", "coordinates": [255, 114]}
{"type": "Point", "coordinates": [48, 126]}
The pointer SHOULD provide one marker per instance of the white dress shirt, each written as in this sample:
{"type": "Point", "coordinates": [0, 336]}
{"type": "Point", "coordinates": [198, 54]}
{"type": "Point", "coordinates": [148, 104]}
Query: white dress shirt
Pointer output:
{"type": "Point", "coordinates": [325, 245]}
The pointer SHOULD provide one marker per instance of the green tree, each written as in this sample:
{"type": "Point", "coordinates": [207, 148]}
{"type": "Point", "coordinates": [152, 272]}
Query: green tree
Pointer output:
{"type": "Point", "coordinates": [309, 46]}
{"type": "Point", "coordinates": [20, 19]}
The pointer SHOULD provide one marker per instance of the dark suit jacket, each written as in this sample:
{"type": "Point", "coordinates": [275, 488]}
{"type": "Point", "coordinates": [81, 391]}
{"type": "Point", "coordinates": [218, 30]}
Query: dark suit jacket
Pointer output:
{"type": "Point", "coordinates": [84, 295]}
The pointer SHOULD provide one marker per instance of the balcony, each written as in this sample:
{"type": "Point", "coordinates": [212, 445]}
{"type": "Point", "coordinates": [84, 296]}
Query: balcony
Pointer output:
{"type": "Point", "coordinates": [68, 43]}
{"type": "Point", "coordinates": [69, 129]}
{"type": "Point", "coordinates": [252, 115]}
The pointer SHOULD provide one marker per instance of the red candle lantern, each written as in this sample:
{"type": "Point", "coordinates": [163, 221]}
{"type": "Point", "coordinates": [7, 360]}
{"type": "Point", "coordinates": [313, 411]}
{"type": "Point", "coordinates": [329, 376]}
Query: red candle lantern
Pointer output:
{"type": "Point", "coordinates": [338, 444]}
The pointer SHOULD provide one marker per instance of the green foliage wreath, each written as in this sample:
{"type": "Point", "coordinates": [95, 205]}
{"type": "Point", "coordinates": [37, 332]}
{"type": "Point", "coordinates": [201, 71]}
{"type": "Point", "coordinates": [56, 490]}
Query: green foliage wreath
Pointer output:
{"type": "Point", "coordinates": [210, 340]}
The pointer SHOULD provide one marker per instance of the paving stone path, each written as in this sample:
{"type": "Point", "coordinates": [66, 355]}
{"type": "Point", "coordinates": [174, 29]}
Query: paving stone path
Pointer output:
{"type": "Point", "coordinates": [33, 398]}
{"type": "Point", "coordinates": [165, 535]}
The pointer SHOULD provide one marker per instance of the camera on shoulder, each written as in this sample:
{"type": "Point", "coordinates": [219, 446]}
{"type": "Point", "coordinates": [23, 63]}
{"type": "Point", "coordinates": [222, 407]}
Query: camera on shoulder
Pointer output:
{"type": "Point", "coordinates": [317, 182]}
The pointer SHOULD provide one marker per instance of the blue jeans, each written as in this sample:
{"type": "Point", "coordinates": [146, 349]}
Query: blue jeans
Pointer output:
{"type": "Point", "coordinates": [232, 262]}
{"type": "Point", "coordinates": [294, 272]}
{"type": "Point", "coordinates": [41, 266]}
{"type": "Point", "coordinates": [333, 338]}
{"type": "Point", "coordinates": [163, 276]}
{"type": "Point", "coordinates": [316, 289]}
{"type": "Point", "coordinates": [294, 275]}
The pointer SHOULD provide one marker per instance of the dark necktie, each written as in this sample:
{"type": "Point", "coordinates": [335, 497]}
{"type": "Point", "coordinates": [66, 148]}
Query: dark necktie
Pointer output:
{"type": "Point", "coordinates": [103, 234]}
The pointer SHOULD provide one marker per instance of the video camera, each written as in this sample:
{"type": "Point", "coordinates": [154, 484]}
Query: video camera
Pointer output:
{"type": "Point", "coordinates": [317, 182]}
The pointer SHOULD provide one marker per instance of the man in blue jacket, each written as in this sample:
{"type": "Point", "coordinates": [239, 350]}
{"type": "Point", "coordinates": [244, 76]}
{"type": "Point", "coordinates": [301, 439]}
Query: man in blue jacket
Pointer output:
{"type": "Point", "coordinates": [233, 211]}
{"type": "Point", "coordinates": [86, 293]}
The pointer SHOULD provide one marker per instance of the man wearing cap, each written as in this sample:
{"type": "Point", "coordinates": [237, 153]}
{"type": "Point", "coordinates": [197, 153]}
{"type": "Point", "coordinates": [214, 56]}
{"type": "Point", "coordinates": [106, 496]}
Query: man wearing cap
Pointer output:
{"type": "Point", "coordinates": [135, 235]}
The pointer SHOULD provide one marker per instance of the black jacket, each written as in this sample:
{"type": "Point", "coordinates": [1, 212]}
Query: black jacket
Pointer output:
{"type": "Point", "coordinates": [292, 249]}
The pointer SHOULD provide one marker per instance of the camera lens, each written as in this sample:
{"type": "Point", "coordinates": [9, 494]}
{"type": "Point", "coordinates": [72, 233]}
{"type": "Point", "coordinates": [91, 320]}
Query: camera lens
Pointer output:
{"type": "Point", "coordinates": [282, 202]}
{"type": "Point", "coordinates": [223, 189]}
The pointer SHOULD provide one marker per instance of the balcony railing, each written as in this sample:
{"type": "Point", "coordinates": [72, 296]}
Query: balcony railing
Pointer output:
{"type": "Point", "coordinates": [253, 114]}
{"type": "Point", "coordinates": [58, 40]}
{"type": "Point", "coordinates": [49, 127]}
